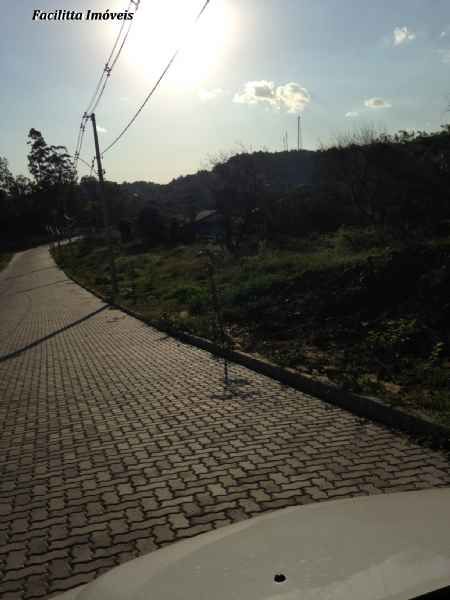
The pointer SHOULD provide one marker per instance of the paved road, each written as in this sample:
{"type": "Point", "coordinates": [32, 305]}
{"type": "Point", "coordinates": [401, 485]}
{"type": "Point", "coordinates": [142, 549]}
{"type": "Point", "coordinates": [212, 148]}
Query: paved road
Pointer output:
{"type": "Point", "coordinates": [116, 439]}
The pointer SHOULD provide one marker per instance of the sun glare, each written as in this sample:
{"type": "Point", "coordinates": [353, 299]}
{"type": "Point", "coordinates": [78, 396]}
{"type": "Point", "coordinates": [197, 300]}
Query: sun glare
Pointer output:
{"type": "Point", "coordinates": [160, 28]}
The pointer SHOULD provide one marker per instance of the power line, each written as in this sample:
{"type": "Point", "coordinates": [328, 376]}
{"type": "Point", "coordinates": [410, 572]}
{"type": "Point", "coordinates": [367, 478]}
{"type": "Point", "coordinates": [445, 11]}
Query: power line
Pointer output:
{"type": "Point", "coordinates": [83, 161]}
{"type": "Point", "coordinates": [79, 141]}
{"type": "Point", "coordinates": [80, 137]}
{"type": "Point", "coordinates": [101, 84]}
{"type": "Point", "coordinates": [108, 70]}
{"type": "Point", "coordinates": [89, 166]}
{"type": "Point", "coordinates": [99, 90]}
{"type": "Point", "coordinates": [154, 88]}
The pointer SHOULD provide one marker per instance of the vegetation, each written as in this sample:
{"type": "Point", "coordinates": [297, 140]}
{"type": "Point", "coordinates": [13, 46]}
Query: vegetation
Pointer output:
{"type": "Point", "coordinates": [4, 260]}
{"type": "Point", "coordinates": [335, 261]}
{"type": "Point", "coordinates": [375, 319]}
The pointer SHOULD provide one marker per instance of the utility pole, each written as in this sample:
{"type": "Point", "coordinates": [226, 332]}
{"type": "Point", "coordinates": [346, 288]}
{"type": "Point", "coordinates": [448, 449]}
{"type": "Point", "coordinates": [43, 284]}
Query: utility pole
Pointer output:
{"type": "Point", "coordinates": [106, 215]}
{"type": "Point", "coordinates": [299, 133]}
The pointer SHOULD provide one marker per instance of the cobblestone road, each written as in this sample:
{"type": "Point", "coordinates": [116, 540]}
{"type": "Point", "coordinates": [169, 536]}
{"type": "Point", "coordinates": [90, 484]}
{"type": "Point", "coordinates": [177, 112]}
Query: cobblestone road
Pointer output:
{"type": "Point", "coordinates": [116, 439]}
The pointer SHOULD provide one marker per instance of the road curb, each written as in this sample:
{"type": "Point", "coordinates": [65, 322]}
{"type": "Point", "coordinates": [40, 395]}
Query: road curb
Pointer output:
{"type": "Point", "coordinates": [361, 405]}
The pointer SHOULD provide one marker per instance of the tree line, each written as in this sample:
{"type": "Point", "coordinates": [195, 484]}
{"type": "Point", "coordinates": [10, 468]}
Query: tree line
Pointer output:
{"type": "Point", "coordinates": [399, 182]}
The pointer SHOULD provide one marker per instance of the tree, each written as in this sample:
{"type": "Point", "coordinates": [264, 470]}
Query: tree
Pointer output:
{"type": "Point", "coordinates": [5, 186]}
{"type": "Point", "coordinates": [89, 208]}
{"type": "Point", "coordinates": [49, 165]}
{"type": "Point", "coordinates": [6, 177]}
{"type": "Point", "coordinates": [398, 181]}
{"type": "Point", "coordinates": [239, 189]}
{"type": "Point", "coordinates": [351, 165]}
{"type": "Point", "coordinates": [15, 204]}
{"type": "Point", "coordinates": [21, 186]}
{"type": "Point", "coordinates": [151, 225]}
{"type": "Point", "coordinates": [54, 177]}
{"type": "Point", "coordinates": [125, 231]}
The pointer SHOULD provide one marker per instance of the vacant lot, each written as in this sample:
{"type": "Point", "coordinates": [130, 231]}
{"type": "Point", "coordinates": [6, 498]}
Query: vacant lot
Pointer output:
{"type": "Point", "coordinates": [360, 308]}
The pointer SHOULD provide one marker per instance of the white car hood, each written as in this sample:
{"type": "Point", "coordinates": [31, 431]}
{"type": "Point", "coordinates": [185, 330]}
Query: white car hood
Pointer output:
{"type": "Point", "coordinates": [393, 546]}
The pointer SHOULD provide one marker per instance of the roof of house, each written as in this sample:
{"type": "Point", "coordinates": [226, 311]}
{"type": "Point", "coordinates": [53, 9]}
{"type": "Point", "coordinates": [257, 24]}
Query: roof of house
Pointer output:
{"type": "Point", "coordinates": [205, 214]}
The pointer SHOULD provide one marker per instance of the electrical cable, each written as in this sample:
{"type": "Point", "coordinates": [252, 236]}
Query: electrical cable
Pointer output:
{"type": "Point", "coordinates": [101, 84]}
{"type": "Point", "coordinates": [109, 68]}
{"type": "Point", "coordinates": [154, 88]}
{"type": "Point", "coordinates": [89, 166]}
{"type": "Point", "coordinates": [79, 141]}
{"type": "Point", "coordinates": [98, 93]}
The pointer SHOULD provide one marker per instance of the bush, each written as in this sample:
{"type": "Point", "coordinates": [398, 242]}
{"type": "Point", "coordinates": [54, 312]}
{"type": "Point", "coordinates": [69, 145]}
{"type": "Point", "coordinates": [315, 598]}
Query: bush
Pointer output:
{"type": "Point", "coordinates": [196, 298]}
{"type": "Point", "coordinates": [250, 290]}
{"type": "Point", "coordinates": [396, 337]}
{"type": "Point", "coordinates": [358, 240]}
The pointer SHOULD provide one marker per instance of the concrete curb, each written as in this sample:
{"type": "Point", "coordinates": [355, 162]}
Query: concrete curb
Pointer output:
{"type": "Point", "coordinates": [363, 406]}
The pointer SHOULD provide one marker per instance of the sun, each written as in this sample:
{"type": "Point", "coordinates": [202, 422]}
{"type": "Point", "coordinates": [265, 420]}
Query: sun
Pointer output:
{"type": "Point", "coordinates": [159, 28]}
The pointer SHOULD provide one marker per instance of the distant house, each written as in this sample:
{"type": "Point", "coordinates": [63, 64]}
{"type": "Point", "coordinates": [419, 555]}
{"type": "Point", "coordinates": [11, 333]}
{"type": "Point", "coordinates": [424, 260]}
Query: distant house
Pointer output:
{"type": "Point", "coordinates": [208, 225]}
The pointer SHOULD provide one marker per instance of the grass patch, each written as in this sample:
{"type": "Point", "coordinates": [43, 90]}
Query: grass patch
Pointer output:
{"type": "Point", "coordinates": [371, 315]}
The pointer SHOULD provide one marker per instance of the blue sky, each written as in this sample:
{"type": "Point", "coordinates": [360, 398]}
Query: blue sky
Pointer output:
{"type": "Point", "coordinates": [248, 69]}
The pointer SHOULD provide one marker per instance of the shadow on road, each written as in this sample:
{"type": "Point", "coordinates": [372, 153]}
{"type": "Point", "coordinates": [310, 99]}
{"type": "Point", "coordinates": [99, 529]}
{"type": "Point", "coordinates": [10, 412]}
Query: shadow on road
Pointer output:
{"type": "Point", "coordinates": [51, 335]}
{"type": "Point", "coordinates": [236, 389]}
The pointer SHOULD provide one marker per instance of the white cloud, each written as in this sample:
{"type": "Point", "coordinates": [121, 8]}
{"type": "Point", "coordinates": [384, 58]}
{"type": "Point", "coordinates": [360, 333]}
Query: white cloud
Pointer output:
{"type": "Point", "coordinates": [257, 92]}
{"type": "Point", "coordinates": [443, 34]}
{"type": "Point", "coordinates": [102, 129]}
{"type": "Point", "coordinates": [207, 95]}
{"type": "Point", "coordinates": [402, 35]}
{"type": "Point", "coordinates": [290, 96]}
{"type": "Point", "coordinates": [352, 114]}
{"type": "Point", "coordinates": [377, 103]}
{"type": "Point", "coordinates": [294, 97]}
{"type": "Point", "coordinates": [445, 56]}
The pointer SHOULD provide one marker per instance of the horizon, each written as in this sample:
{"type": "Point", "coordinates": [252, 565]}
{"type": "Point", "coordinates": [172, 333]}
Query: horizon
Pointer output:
{"type": "Point", "coordinates": [264, 66]}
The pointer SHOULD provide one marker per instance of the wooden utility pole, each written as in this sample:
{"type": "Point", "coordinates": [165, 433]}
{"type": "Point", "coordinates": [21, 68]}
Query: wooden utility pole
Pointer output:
{"type": "Point", "coordinates": [106, 215]}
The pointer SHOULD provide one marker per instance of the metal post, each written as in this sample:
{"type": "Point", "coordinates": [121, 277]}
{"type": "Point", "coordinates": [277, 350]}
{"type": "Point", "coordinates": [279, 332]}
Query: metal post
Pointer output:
{"type": "Point", "coordinates": [107, 220]}
{"type": "Point", "coordinates": [300, 133]}
{"type": "Point", "coordinates": [218, 314]}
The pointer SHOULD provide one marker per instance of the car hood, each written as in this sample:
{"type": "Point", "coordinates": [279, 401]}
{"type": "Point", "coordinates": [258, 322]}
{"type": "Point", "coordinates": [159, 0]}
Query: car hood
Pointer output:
{"type": "Point", "coordinates": [393, 546]}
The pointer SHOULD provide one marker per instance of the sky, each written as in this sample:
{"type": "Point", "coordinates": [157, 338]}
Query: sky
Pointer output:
{"type": "Point", "coordinates": [245, 73]}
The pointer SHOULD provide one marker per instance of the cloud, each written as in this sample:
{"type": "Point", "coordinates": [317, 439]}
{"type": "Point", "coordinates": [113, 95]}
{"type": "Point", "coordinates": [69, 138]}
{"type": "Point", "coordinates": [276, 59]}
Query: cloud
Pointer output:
{"type": "Point", "coordinates": [402, 35]}
{"type": "Point", "coordinates": [294, 97]}
{"type": "Point", "coordinates": [445, 56]}
{"type": "Point", "coordinates": [377, 103]}
{"type": "Point", "coordinates": [443, 34]}
{"type": "Point", "coordinates": [101, 129]}
{"type": "Point", "coordinates": [290, 96]}
{"type": "Point", "coordinates": [352, 114]}
{"type": "Point", "coordinates": [207, 95]}
{"type": "Point", "coordinates": [257, 92]}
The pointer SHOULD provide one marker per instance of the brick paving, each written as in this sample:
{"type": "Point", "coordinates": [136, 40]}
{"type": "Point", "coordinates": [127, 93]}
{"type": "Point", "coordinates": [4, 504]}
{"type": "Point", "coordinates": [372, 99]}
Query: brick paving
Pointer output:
{"type": "Point", "coordinates": [117, 439]}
